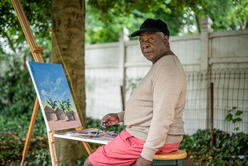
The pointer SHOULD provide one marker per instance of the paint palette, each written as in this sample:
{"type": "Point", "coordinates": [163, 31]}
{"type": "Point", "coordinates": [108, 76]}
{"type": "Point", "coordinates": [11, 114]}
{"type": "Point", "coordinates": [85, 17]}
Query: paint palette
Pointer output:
{"type": "Point", "coordinates": [93, 135]}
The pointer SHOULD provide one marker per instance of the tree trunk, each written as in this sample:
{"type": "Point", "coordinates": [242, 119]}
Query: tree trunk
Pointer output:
{"type": "Point", "coordinates": [68, 18]}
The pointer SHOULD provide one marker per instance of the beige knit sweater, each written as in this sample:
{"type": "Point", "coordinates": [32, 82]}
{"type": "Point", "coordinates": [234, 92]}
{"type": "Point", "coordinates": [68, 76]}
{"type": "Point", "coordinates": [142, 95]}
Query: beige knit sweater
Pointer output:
{"type": "Point", "coordinates": [155, 109]}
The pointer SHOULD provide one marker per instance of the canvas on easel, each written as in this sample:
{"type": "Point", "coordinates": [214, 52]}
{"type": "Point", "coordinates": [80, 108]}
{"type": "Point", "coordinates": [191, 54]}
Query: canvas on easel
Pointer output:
{"type": "Point", "coordinates": [54, 96]}
{"type": "Point", "coordinates": [57, 105]}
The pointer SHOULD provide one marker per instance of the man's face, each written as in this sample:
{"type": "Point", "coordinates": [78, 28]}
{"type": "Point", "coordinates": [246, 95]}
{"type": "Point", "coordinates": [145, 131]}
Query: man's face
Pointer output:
{"type": "Point", "coordinates": [153, 44]}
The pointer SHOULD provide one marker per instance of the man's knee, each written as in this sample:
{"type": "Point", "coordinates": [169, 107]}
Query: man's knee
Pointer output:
{"type": "Point", "coordinates": [87, 162]}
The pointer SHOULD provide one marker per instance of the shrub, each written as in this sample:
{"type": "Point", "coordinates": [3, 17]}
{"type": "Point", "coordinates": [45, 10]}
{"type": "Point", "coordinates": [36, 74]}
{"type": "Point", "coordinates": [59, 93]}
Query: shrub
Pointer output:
{"type": "Point", "coordinates": [17, 94]}
{"type": "Point", "coordinates": [228, 149]}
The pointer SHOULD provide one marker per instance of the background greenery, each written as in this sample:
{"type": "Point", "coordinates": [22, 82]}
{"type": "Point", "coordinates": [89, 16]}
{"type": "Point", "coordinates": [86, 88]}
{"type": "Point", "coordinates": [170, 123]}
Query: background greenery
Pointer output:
{"type": "Point", "coordinates": [104, 21]}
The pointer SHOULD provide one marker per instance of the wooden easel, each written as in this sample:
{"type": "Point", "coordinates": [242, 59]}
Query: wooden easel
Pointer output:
{"type": "Point", "coordinates": [36, 52]}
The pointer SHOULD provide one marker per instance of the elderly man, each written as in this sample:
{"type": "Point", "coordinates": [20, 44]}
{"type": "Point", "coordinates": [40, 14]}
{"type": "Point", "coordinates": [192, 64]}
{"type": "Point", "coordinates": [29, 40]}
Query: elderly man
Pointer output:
{"type": "Point", "coordinates": [153, 115]}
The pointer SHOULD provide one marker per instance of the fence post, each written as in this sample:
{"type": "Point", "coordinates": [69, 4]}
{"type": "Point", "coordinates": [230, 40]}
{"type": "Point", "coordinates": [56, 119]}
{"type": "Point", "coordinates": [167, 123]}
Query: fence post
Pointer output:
{"type": "Point", "coordinates": [123, 38]}
{"type": "Point", "coordinates": [206, 29]}
{"type": "Point", "coordinates": [205, 67]}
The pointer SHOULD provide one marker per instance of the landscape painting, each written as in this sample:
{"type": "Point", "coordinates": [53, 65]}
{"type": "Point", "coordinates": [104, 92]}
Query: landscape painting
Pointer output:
{"type": "Point", "coordinates": [56, 102]}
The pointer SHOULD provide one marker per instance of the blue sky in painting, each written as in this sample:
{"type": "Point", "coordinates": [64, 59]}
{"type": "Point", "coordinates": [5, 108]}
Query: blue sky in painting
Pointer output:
{"type": "Point", "coordinates": [50, 81]}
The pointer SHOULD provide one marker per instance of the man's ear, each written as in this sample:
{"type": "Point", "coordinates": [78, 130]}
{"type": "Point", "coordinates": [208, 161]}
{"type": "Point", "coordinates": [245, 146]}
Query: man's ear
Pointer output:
{"type": "Point", "coordinates": [166, 39]}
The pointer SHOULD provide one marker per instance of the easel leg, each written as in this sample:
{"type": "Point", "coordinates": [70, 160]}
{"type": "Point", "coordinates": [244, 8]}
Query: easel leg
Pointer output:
{"type": "Point", "coordinates": [30, 130]}
{"type": "Point", "coordinates": [51, 142]}
{"type": "Point", "coordinates": [87, 147]}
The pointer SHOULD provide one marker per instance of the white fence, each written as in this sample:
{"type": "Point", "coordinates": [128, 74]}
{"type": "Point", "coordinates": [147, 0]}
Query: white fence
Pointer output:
{"type": "Point", "coordinates": [219, 57]}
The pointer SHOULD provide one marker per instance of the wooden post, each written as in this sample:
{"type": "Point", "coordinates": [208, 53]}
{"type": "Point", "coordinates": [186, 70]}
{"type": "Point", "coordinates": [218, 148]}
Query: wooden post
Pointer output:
{"type": "Point", "coordinates": [122, 98]}
{"type": "Point", "coordinates": [212, 114]}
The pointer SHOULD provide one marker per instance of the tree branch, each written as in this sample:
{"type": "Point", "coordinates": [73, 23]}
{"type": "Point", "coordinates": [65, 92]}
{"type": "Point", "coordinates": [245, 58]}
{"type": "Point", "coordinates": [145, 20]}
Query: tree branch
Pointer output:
{"type": "Point", "coordinates": [197, 18]}
{"type": "Point", "coordinates": [11, 44]}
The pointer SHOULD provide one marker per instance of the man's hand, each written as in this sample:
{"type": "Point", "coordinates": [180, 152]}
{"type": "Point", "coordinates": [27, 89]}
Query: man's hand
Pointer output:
{"type": "Point", "coordinates": [110, 119]}
{"type": "Point", "coordinates": [143, 162]}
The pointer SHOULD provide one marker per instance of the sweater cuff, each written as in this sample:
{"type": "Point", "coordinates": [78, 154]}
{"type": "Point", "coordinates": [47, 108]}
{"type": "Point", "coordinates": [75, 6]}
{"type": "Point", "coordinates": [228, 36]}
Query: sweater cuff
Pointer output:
{"type": "Point", "coordinates": [121, 116]}
{"type": "Point", "coordinates": [148, 153]}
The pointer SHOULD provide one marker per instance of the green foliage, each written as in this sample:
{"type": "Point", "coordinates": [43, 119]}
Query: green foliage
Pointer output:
{"type": "Point", "coordinates": [42, 157]}
{"type": "Point", "coordinates": [96, 123]}
{"type": "Point", "coordinates": [182, 17]}
{"type": "Point", "coordinates": [52, 103]}
{"type": "Point", "coordinates": [100, 30]}
{"type": "Point", "coordinates": [227, 149]}
{"type": "Point", "coordinates": [62, 105]}
{"type": "Point", "coordinates": [234, 116]}
{"type": "Point", "coordinates": [12, 137]}
{"type": "Point", "coordinates": [106, 18]}
{"type": "Point", "coordinates": [68, 104]}
{"type": "Point", "coordinates": [222, 20]}
{"type": "Point", "coordinates": [38, 15]}
{"type": "Point", "coordinates": [240, 11]}
{"type": "Point", "coordinates": [19, 124]}
{"type": "Point", "coordinates": [16, 91]}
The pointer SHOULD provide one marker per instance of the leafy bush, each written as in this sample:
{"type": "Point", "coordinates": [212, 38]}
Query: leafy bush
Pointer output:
{"type": "Point", "coordinates": [12, 146]}
{"type": "Point", "coordinates": [228, 149]}
{"type": "Point", "coordinates": [16, 91]}
{"type": "Point", "coordinates": [234, 115]}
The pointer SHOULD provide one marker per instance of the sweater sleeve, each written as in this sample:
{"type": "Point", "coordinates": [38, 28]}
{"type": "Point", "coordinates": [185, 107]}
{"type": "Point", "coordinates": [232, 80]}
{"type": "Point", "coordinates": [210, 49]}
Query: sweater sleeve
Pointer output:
{"type": "Point", "coordinates": [121, 116]}
{"type": "Point", "coordinates": [167, 85]}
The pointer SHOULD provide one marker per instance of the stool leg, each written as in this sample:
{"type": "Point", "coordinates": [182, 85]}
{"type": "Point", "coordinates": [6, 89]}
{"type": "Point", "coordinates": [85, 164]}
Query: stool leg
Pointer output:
{"type": "Point", "coordinates": [165, 162]}
{"type": "Point", "coordinates": [179, 162]}
{"type": "Point", "coordinates": [154, 163]}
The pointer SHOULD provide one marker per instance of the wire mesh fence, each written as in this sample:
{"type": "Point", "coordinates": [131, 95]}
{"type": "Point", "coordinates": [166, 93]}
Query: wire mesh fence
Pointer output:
{"type": "Point", "coordinates": [196, 102]}
{"type": "Point", "coordinates": [230, 97]}
{"type": "Point", "coordinates": [230, 91]}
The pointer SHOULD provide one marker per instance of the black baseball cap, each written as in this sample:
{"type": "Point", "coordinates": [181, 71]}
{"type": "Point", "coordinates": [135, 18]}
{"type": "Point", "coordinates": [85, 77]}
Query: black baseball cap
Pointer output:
{"type": "Point", "coordinates": [151, 25]}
